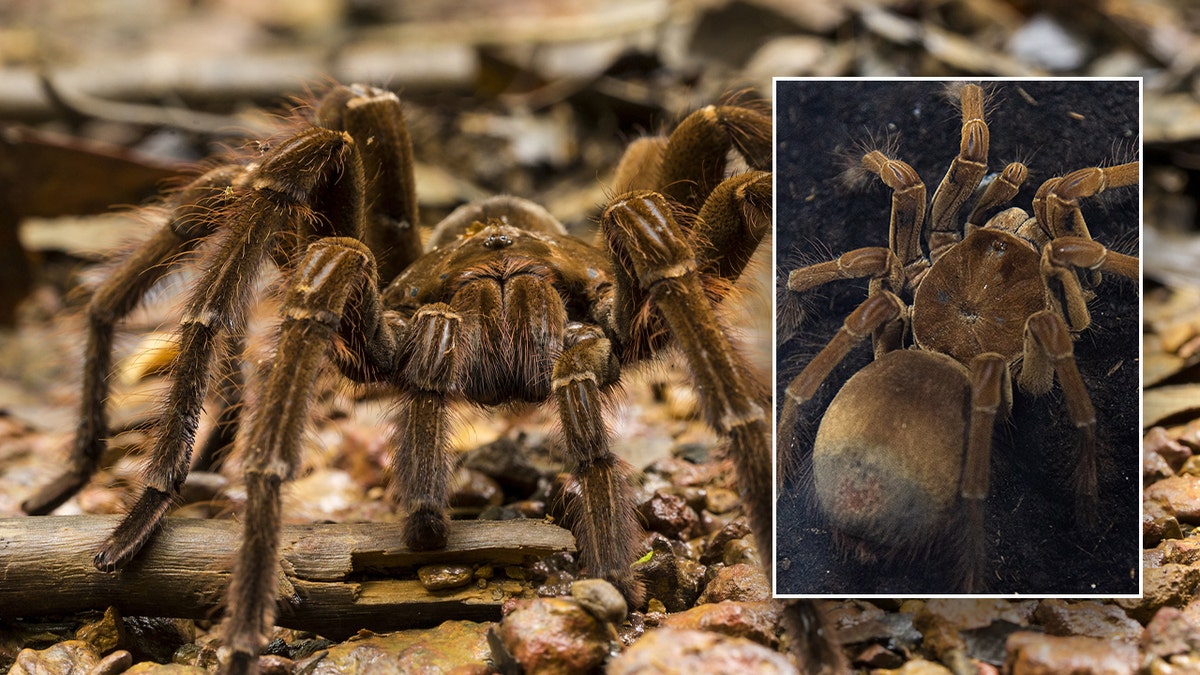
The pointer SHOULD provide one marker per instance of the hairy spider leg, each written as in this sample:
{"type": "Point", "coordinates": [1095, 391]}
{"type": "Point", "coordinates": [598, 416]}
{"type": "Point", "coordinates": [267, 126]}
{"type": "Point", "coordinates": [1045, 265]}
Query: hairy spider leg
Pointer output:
{"type": "Point", "coordinates": [991, 395]}
{"type": "Point", "coordinates": [694, 158]}
{"type": "Point", "coordinates": [908, 211]}
{"type": "Point", "coordinates": [604, 514]}
{"type": "Point", "coordinates": [432, 355]}
{"type": "Point", "coordinates": [1048, 345]}
{"type": "Point", "coordinates": [1048, 349]}
{"type": "Point", "coordinates": [689, 167]}
{"type": "Point", "coordinates": [880, 265]}
{"type": "Point", "coordinates": [1056, 204]}
{"type": "Point", "coordinates": [374, 118]}
{"type": "Point", "coordinates": [733, 217]}
{"type": "Point", "coordinates": [966, 170]}
{"type": "Point", "coordinates": [998, 192]}
{"type": "Point", "coordinates": [231, 382]}
{"type": "Point", "coordinates": [333, 271]}
{"type": "Point", "coordinates": [733, 220]}
{"type": "Point", "coordinates": [660, 267]}
{"type": "Point", "coordinates": [1065, 260]}
{"type": "Point", "coordinates": [878, 310]}
{"type": "Point", "coordinates": [317, 165]}
{"type": "Point", "coordinates": [816, 646]}
{"type": "Point", "coordinates": [190, 220]}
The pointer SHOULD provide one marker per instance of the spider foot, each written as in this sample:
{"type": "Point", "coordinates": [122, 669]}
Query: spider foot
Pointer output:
{"type": "Point", "coordinates": [426, 529]}
{"type": "Point", "coordinates": [53, 495]}
{"type": "Point", "coordinates": [1087, 509]}
{"type": "Point", "coordinates": [629, 586]}
{"type": "Point", "coordinates": [240, 663]}
{"type": "Point", "coordinates": [973, 558]}
{"type": "Point", "coordinates": [142, 521]}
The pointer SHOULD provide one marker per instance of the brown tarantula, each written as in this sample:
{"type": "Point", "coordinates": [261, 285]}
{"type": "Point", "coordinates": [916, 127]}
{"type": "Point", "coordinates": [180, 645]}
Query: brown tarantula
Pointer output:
{"type": "Point", "coordinates": [500, 305]}
{"type": "Point", "coordinates": [957, 305]}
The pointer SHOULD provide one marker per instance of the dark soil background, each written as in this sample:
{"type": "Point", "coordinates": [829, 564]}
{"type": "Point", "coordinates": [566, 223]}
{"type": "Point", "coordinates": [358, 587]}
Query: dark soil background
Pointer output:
{"type": "Point", "coordinates": [1035, 547]}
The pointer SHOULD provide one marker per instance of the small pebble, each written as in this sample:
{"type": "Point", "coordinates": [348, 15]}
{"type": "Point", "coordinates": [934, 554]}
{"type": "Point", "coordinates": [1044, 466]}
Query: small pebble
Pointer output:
{"type": "Point", "coordinates": [756, 621]}
{"type": "Point", "coordinates": [1172, 632]}
{"type": "Point", "coordinates": [105, 634]}
{"type": "Point", "coordinates": [878, 656]}
{"type": "Point", "coordinates": [741, 551]}
{"type": "Point", "coordinates": [672, 579]}
{"type": "Point", "coordinates": [1037, 654]}
{"type": "Point", "coordinates": [116, 662]}
{"type": "Point", "coordinates": [600, 598]}
{"type": "Point", "coordinates": [1046, 43]}
{"type": "Point", "coordinates": [1155, 468]}
{"type": "Point", "coordinates": [71, 656]}
{"type": "Point", "coordinates": [1178, 496]}
{"type": "Point", "coordinates": [687, 652]}
{"type": "Point", "coordinates": [439, 577]}
{"type": "Point", "coordinates": [669, 514]}
{"type": "Point", "coordinates": [740, 582]}
{"type": "Point", "coordinates": [721, 500]}
{"type": "Point", "coordinates": [473, 489]}
{"type": "Point", "coordinates": [1159, 442]}
{"type": "Point", "coordinates": [1167, 585]}
{"type": "Point", "coordinates": [1088, 618]}
{"type": "Point", "coordinates": [551, 635]}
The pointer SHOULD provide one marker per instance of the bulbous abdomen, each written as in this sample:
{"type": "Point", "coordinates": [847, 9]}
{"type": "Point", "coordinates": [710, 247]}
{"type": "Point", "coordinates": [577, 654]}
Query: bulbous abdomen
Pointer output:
{"type": "Point", "coordinates": [888, 454]}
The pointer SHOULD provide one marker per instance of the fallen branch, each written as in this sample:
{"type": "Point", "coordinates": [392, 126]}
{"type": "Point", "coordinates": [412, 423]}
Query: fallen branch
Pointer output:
{"type": "Point", "coordinates": [343, 574]}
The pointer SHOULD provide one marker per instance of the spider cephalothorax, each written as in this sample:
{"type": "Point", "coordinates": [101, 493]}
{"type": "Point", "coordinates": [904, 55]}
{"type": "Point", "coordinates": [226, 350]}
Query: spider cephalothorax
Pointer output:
{"type": "Point", "coordinates": [901, 459]}
{"type": "Point", "coordinates": [499, 306]}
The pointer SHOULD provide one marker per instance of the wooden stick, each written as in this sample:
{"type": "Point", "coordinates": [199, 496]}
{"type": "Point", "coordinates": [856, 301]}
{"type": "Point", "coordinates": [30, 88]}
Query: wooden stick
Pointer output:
{"type": "Point", "coordinates": [342, 573]}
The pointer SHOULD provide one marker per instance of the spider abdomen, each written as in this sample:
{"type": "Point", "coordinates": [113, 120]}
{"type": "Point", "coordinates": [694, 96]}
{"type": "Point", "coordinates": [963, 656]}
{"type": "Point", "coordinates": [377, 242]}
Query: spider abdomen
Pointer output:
{"type": "Point", "coordinates": [886, 470]}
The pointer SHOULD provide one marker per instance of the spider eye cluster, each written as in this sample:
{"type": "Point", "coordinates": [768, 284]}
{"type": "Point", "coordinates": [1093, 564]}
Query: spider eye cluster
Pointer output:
{"type": "Point", "coordinates": [497, 241]}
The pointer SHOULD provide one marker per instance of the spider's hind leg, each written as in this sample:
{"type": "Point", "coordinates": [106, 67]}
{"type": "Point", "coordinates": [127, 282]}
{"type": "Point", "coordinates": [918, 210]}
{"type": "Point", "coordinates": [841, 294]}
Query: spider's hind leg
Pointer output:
{"type": "Point", "coordinates": [189, 222]}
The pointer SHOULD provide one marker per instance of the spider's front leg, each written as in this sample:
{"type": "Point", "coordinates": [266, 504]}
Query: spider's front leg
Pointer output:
{"type": "Point", "coordinates": [606, 515]}
{"type": "Point", "coordinates": [334, 273]}
{"type": "Point", "coordinates": [277, 199]}
{"type": "Point", "coordinates": [657, 264]}
{"type": "Point", "coordinates": [640, 228]}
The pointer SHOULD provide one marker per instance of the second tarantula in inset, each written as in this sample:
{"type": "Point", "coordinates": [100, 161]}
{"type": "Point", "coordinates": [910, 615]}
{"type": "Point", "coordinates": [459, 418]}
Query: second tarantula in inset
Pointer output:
{"type": "Point", "coordinates": [957, 307]}
{"type": "Point", "coordinates": [500, 305]}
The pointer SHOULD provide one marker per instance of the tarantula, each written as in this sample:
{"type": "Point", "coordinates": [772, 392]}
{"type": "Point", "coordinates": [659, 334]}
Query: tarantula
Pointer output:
{"type": "Point", "coordinates": [499, 306]}
{"type": "Point", "coordinates": [900, 462]}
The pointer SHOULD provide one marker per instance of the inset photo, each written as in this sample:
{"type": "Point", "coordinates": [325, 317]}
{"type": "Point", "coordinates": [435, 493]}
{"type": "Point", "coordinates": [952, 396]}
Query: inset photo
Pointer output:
{"type": "Point", "coordinates": [957, 364]}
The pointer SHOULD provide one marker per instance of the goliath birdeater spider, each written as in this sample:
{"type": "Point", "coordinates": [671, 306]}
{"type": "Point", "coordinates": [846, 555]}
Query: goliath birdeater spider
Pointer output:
{"type": "Point", "coordinates": [500, 305]}
{"type": "Point", "coordinates": [966, 299]}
